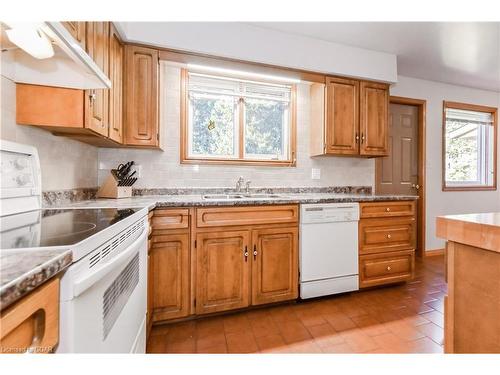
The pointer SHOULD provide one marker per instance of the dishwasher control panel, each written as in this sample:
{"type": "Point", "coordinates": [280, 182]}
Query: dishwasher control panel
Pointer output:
{"type": "Point", "coordinates": [329, 212]}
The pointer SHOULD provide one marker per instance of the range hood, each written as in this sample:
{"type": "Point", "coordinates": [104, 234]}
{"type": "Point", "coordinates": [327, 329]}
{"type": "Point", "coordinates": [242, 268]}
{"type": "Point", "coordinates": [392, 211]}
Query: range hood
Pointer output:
{"type": "Point", "coordinates": [70, 66]}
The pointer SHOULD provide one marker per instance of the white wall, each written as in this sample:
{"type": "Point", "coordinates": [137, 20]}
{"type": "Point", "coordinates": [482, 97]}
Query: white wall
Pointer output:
{"type": "Point", "coordinates": [163, 169]}
{"type": "Point", "coordinates": [439, 202]}
{"type": "Point", "coordinates": [252, 43]}
{"type": "Point", "coordinates": [66, 164]}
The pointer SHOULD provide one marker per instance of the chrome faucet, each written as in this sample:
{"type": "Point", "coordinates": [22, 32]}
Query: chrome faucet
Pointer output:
{"type": "Point", "coordinates": [239, 184]}
{"type": "Point", "coordinates": [247, 187]}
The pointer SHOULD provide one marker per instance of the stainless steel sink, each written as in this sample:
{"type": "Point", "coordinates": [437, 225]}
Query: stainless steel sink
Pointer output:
{"type": "Point", "coordinates": [239, 196]}
{"type": "Point", "coordinates": [262, 196]}
{"type": "Point", "coordinates": [222, 196]}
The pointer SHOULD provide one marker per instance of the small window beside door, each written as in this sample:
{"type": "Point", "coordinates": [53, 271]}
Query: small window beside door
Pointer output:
{"type": "Point", "coordinates": [469, 147]}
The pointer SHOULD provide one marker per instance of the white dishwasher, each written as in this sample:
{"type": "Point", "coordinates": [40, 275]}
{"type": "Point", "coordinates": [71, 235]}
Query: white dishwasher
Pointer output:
{"type": "Point", "coordinates": [328, 249]}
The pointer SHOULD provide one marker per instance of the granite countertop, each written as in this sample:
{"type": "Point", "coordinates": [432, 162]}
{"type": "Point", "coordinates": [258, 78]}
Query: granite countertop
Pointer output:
{"type": "Point", "coordinates": [480, 230]}
{"type": "Point", "coordinates": [198, 201]}
{"type": "Point", "coordinates": [21, 271]}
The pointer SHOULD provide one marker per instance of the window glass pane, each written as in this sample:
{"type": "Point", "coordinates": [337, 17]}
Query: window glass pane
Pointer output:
{"type": "Point", "coordinates": [266, 123]}
{"type": "Point", "coordinates": [469, 148]}
{"type": "Point", "coordinates": [212, 125]}
{"type": "Point", "coordinates": [462, 156]}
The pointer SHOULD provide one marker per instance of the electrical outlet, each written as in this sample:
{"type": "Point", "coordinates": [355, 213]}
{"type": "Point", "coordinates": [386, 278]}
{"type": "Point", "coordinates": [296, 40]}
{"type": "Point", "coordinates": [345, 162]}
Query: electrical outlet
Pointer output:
{"type": "Point", "coordinates": [315, 173]}
{"type": "Point", "coordinates": [138, 169]}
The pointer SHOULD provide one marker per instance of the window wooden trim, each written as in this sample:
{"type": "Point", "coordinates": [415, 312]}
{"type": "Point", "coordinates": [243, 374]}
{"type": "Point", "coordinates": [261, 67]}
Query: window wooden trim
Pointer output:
{"type": "Point", "coordinates": [477, 108]}
{"type": "Point", "coordinates": [185, 159]}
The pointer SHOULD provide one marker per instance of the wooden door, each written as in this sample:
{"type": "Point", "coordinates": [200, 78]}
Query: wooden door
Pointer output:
{"type": "Point", "coordinates": [170, 276]}
{"type": "Point", "coordinates": [374, 108]}
{"type": "Point", "coordinates": [397, 173]}
{"type": "Point", "coordinates": [96, 101]}
{"type": "Point", "coordinates": [222, 271]}
{"type": "Point", "coordinates": [116, 91]}
{"type": "Point", "coordinates": [77, 31]}
{"type": "Point", "coordinates": [141, 96]}
{"type": "Point", "coordinates": [342, 117]}
{"type": "Point", "coordinates": [275, 265]}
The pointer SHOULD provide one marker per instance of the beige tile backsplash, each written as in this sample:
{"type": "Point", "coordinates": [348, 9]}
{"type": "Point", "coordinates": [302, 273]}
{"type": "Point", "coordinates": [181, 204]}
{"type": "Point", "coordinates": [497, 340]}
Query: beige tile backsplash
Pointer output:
{"type": "Point", "coordinates": [163, 169]}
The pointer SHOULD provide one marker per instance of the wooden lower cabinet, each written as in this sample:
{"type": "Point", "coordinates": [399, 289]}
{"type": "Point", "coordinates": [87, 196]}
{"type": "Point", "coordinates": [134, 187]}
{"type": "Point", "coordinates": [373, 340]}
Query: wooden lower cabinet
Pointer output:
{"type": "Point", "coordinates": [32, 324]}
{"type": "Point", "coordinates": [222, 271]}
{"type": "Point", "coordinates": [170, 269]}
{"type": "Point", "coordinates": [387, 240]}
{"type": "Point", "coordinates": [275, 265]}
{"type": "Point", "coordinates": [386, 268]}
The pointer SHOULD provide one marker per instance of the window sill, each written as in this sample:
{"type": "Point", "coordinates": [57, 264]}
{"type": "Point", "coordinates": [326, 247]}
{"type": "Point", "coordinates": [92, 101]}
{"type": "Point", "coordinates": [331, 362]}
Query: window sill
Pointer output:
{"type": "Point", "coordinates": [262, 163]}
{"type": "Point", "coordinates": [469, 188]}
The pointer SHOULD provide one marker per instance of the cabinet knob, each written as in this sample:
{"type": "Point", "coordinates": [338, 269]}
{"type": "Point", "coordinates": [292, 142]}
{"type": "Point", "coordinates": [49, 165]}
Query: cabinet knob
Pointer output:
{"type": "Point", "coordinates": [254, 252]}
{"type": "Point", "coordinates": [389, 268]}
{"type": "Point", "coordinates": [388, 209]}
{"type": "Point", "coordinates": [389, 236]}
{"type": "Point", "coordinates": [245, 253]}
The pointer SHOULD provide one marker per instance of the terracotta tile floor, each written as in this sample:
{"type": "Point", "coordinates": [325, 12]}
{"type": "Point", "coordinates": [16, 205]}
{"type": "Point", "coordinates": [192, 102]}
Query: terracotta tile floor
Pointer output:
{"type": "Point", "coordinates": [405, 318]}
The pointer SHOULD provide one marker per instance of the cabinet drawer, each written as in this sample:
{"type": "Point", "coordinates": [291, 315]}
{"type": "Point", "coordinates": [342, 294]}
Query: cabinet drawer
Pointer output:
{"type": "Point", "coordinates": [32, 324]}
{"type": "Point", "coordinates": [387, 209]}
{"type": "Point", "coordinates": [231, 216]}
{"type": "Point", "coordinates": [170, 219]}
{"type": "Point", "coordinates": [383, 235]}
{"type": "Point", "coordinates": [386, 268]}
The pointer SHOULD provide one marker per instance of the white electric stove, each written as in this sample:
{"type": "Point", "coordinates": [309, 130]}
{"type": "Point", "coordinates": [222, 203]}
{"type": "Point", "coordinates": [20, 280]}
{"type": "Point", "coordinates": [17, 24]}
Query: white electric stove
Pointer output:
{"type": "Point", "coordinates": [103, 292]}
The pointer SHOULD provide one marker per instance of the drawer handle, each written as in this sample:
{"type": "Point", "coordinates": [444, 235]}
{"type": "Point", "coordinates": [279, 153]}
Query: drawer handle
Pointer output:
{"type": "Point", "coordinates": [388, 209]}
{"type": "Point", "coordinates": [389, 268]}
{"type": "Point", "coordinates": [389, 236]}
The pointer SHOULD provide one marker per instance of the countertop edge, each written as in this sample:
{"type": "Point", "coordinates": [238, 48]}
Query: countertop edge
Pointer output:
{"type": "Point", "coordinates": [16, 289]}
{"type": "Point", "coordinates": [467, 232]}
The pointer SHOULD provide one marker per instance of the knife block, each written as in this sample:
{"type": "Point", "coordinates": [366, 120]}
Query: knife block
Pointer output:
{"type": "Point", "coordinates": [110, 189]}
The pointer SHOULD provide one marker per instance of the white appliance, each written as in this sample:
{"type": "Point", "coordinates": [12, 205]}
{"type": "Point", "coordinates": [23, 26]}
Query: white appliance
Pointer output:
{"type": "Point", "coordinates": [70, 66]}
{"type": "Point", "coordinates": [104, 291]}
{"type": "Point", "coordinates": [328, 249]}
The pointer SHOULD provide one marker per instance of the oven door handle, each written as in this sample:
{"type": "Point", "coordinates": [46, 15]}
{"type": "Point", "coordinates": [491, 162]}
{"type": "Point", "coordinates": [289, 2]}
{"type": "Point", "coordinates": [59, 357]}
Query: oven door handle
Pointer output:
{"type": "Point", "coordinates": [81, 285]}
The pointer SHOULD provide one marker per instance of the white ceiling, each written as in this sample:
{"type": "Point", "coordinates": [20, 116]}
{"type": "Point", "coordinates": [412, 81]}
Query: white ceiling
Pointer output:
{"type": "Point", "coordinates": [460, 53]}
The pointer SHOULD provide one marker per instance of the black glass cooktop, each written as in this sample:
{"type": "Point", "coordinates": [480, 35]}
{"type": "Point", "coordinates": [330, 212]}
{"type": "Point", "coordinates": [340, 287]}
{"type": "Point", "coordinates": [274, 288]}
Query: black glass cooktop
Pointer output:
{"type": "Point", "coordinates": [57, 227]}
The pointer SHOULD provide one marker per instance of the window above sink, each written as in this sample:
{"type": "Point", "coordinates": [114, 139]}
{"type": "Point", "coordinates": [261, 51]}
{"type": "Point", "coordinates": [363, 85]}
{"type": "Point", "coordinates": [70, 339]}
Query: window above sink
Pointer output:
{"type": "Point", "coordinates": [230, 120]}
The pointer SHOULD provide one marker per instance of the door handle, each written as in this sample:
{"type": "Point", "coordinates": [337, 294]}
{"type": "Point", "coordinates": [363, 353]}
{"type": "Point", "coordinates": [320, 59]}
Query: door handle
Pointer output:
{"type": "Point", "coordinates": [415, 186]}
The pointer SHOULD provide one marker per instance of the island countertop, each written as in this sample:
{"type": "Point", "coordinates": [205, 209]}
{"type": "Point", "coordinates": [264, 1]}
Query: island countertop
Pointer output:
{"type": "Point", "coordinates": [480, 230]}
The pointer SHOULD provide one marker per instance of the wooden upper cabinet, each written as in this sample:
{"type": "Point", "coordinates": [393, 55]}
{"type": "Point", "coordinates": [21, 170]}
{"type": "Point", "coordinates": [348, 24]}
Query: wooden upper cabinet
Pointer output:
{"type": "Point", "coordinates": [342, 116]}
{"type": "Point", "coordinates": [96, 101]}
{"type": "Point", "coordinates": [116, 58]}
{"type": "Point", "coordinates": [141, 96]}
{"type": "Point", "coordinates": [374, 118]}
{"type": "Point", "coordinates": [170, 276]}
{"type": "Point", "coordinates": [222, 271]}
{"type": "Point", "coordinates": [349, 118]}
{"type": "Point", "coordinates": [275, 265]}
{"type": "Point", "coordinates": [77, 31]}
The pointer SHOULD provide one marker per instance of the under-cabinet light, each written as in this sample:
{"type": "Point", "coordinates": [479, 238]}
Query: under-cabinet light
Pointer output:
{"type": "Point", "coordinates": [31, 39]}
{"type": "Point", "coordinates": [241, 73]}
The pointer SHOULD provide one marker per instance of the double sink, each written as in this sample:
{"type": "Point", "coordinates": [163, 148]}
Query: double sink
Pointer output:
{"type": "Point", "coordinates": [233, 196]}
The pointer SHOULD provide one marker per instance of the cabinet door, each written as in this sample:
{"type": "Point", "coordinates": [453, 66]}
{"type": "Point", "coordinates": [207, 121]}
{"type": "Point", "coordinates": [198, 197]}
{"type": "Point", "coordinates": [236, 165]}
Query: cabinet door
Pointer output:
{"type": "Point", "coordinates": [222, 271]}
{"type": "Point", "coordinates": [374, 120]}
{"type": "Point", "coordinates": [275, 265]}
{"type": "Point", "coordinates": [96, 101]}
{"type": "Point", "coordinates": [141, 96]}
{"type": "Point", "coordinates": [116, 91]}
{"type": "Point", "coordinates": [342, 117]}
{"type": "Point", "coordinates": [77, 31]}
{"type": "Point", "coordinates": [170, 279]}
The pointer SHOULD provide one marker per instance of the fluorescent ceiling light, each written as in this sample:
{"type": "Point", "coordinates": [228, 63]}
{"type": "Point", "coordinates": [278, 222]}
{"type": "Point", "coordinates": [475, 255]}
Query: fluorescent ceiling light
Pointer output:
{"type": "Point", "coordinates": [30, 39]}
{"type": "Point", "coordinates": [240, 73]}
